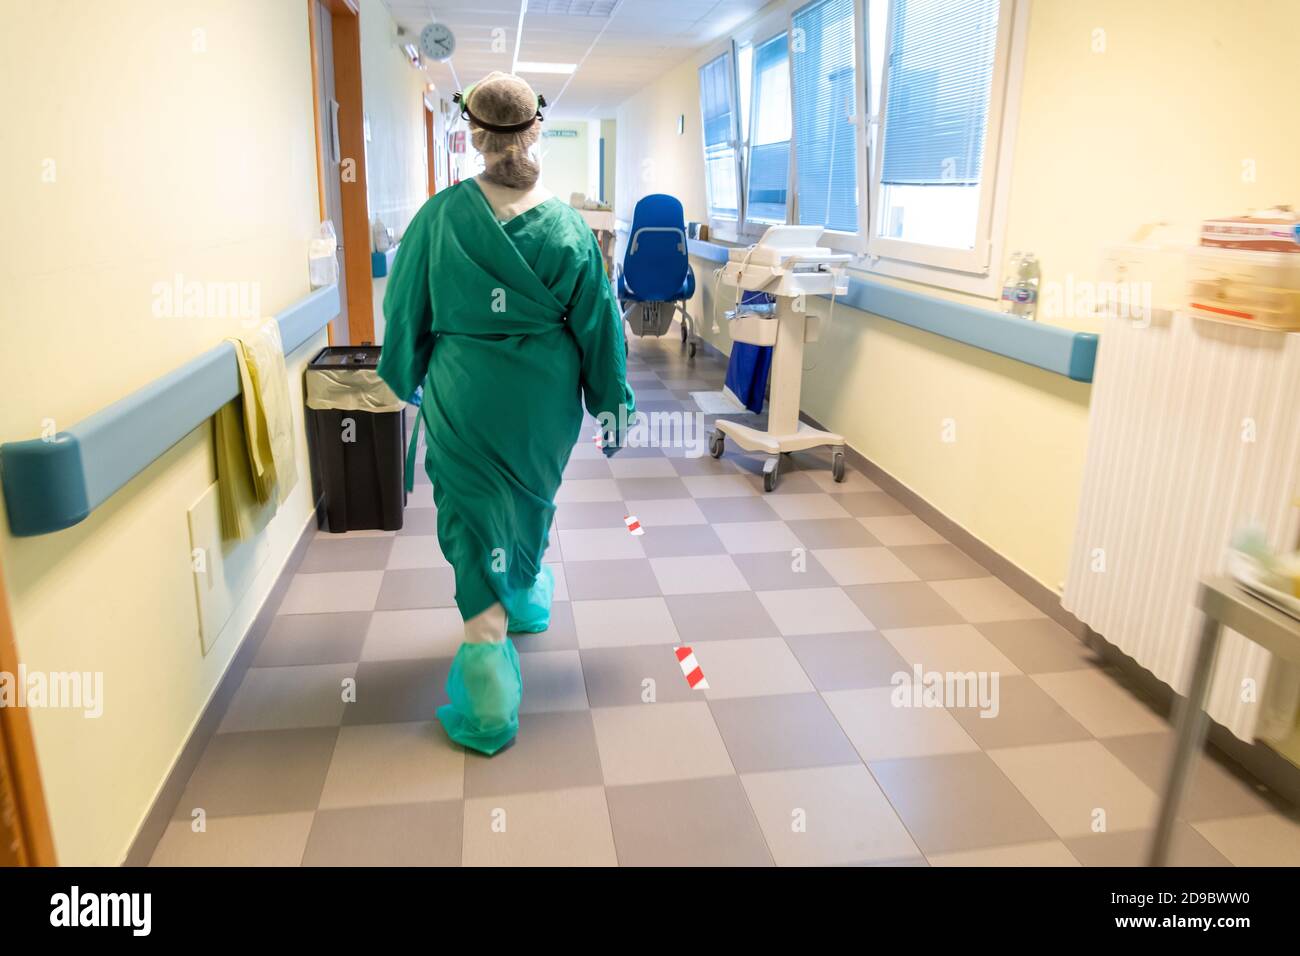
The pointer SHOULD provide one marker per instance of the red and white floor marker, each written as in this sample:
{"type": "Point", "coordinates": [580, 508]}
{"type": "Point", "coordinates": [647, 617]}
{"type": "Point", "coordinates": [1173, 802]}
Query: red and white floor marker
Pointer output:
{"type": "Point", "coordinates": [633, 525]}
{"type": "Point", "coordinates": [691, 668]}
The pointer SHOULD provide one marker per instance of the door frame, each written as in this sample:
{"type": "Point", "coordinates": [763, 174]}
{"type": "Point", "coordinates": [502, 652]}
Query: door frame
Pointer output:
{"type": "Point", "coordinates": [32, 841]}
{"type": "Point", "coordinates": [430, 150]}
{"type": "Point", "coordinates": [345, 21]}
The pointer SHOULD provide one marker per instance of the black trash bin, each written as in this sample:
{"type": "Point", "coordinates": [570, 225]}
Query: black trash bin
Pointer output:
{"type": "Point", "coordinates": [356, 431]}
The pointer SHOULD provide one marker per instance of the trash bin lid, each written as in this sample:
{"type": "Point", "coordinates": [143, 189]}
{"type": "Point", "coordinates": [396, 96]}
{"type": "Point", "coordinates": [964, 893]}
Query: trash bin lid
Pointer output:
{"type": "Point", "coordinates": [347, 356]}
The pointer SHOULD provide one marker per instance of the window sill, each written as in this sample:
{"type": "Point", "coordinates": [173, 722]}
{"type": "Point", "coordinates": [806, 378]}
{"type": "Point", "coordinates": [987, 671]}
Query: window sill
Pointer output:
{"type": "Point", "coordinates": [1052, 348]}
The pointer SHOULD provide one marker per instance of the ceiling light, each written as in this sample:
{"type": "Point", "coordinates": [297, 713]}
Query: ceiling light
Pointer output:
{"type": "Point", "coordinates": [561, 68]}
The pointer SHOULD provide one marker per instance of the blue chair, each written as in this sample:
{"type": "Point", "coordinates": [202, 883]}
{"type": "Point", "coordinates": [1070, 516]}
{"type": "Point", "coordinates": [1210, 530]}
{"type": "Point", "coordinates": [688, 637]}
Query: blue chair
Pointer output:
{"type": "Point", "coordinates": [656, 280]}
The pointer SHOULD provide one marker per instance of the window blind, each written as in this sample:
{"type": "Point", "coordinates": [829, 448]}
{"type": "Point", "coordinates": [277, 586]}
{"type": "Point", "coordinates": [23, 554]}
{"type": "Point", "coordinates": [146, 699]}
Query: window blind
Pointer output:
{"type": "Point", "coordinates": [825, 98]}
{"type": "Point", "coordinates": [938, 77]}
{"type": "Point", "coordinates": [769, 152]}
{"type": "Point", "coordinates": [717, 105]}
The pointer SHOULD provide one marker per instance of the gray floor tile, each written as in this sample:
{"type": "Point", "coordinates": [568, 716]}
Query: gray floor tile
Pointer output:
{"type": "Point", "coordinates": [958, 802]}
{"type": "Point", "coordinates": [656, 742]}
{"type": "Point", "coordinates": [313, 639]}
{"type": "Point", "coordinates": [871, 504]}
{"type": "Point", "coordinates": [1214, 791]}
{"type": "Point", "coordinates": [675, 541]}
{"type": "Point", "coordinates": [634, 676]}
{"type": "Point", "coordinates": [732, 615]}
{"type": "Point", "coordinates": [379, 764]}
{"type": "Point", "coordinates": [331, 591]}
{"type": "Point", "coordinates": [848, 661]}
{"type": "Point", "coordinates": [551, 828]}
{"type": "Point", "coordinates": [656, 467]}
{"type": "Point", "coordinates": [605, 580]}
{"type": "Point", "coordinates": [273, 771]}
{"type": "Point", "coordinates": [652, 489]}
{"type": "Point", "coordinates": [939, 562]}
{"type": "Point", "coordinates": [706, 822]}
{"type": "Point", "coordinates": [419, 521]}
{"type": "Point", "coordinates": [776, 570]}
{"type": "Point", "coordinates": [411, 834]}
{"type": "Point", "coordinates": [417, 587]}
{"type": "Point", "coordinates": [902, 604]}
{"type": "Point", "coordinates": [1132, 848]}
{"type": "Point", "coordinates": [667, 513]}
{"type": "Point", "coordinates": [704, 465]}
{"type": "Point", "coordinates": [552, 752]}
{"type": "Point", "coordinates": [832, 533]}
{"type": "Point", "coordinates": [749, 508]}
{"type": "Point", "coordinates": [346, 554]}
{"type": "Point", "coordinates": [552, 682]}
{"type": "Point", "coordinates": [1039, 646]}
{"type": "Point", "coordinates": [282, 698]}
{"type": "Point", "coordinates": [590, 514]}
{"type": "Point", "coordinates": [781, 732]}
{"type": "Point", "coordinates": [756, 537]}
{"type": "Point", "coordinates": [560, 636]}
{"type": "Point", "coordinates": [273, 839]}
{"type": "Point", "coordinates": [1025, 715]}
{"type": "Point", "coordinates": [581, 469]}
{"type": "Point", "coordinates": [390, 692]}
{"type": "Point", "coordinates": [843, 817]}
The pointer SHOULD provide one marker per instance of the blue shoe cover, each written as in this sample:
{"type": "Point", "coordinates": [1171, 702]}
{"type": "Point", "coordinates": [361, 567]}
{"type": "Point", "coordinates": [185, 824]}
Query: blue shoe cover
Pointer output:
{"type": "Point", "coordinates": [485, 688]}
{"type": "Point", "coordinates": [530, 611]}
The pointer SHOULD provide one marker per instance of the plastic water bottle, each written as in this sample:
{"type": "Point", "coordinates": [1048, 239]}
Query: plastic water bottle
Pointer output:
{"type": "Point", "coordinates": [1020, 287]}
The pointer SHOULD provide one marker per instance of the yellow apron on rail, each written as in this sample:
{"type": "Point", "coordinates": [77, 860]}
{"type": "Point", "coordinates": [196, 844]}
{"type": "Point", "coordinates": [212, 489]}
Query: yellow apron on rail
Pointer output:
{"type": "Point", "coordinates": [256, 469]}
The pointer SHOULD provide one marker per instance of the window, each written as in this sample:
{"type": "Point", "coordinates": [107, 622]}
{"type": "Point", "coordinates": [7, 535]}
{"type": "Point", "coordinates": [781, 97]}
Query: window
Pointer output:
{"type": "Point", "coordinates": [881, 120]}
{"type": "Point", "coordinates": [825, 115]}
{"type": "Point", "coordinates": [769, 137]}
{"type": "Point", "coordinates": [940, 113]}
{"type": "Point", "coordinates": [717, 102]}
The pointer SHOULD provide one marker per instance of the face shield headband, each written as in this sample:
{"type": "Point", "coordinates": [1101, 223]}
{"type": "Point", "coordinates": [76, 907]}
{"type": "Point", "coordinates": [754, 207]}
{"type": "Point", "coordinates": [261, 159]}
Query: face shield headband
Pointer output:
{"type": "Point", "coordinates": [462, 99]}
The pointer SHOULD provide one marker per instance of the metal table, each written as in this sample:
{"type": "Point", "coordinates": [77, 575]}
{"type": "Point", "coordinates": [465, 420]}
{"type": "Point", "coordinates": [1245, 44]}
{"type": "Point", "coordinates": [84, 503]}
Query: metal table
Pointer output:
{"type": "Point", "coordinates": [1225, 603]}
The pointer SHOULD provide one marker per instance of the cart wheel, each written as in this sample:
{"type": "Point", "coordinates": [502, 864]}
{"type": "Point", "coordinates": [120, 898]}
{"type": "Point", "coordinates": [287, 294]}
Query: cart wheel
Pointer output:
{"type": "Point", "coordinates": [717, 442]}
{"type": "Point", "coordinates": [769, 472]}
{"type": "Point", "coordinates": [837, 466]}
{"type": "Point", "coordinates": [690, 350]}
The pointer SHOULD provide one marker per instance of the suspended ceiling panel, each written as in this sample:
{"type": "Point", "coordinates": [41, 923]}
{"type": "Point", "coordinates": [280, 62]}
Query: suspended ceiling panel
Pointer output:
{"type": "Point", "coordinates": [620, 46]}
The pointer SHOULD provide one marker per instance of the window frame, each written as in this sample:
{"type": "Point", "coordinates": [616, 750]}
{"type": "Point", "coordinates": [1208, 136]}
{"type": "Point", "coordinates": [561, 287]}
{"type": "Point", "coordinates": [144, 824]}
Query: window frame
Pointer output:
{"type": "Point", "coordinates": [724, 227]}
{"type": "Point", "coordinates": [969, 271]}
{"type": "Point", "coordinates": [769, 28]}
{"type": "Point", "coordinates": [963, 270]}
{"type": "Point", "coordinates": [838, 239]}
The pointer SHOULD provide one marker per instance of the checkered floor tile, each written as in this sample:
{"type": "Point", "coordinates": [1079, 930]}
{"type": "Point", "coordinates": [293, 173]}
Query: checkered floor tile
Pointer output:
{"type": "Point", "coordinates": [805, 608]}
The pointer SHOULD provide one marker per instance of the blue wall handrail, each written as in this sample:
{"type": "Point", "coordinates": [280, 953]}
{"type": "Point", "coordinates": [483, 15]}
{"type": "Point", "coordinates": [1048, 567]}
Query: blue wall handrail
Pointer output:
{"type": "Point", "coordinates": [53, 484]}
{"type": "Point", "coordinates": [1050, 347]}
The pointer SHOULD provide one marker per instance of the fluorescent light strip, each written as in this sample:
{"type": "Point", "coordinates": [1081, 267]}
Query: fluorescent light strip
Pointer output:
{"type": "Point", "coordinates": [563, 69]}
{"type": "Point", "coordinates": [618, 5]}
{"type": "Point", "coordinates": [519, 36]}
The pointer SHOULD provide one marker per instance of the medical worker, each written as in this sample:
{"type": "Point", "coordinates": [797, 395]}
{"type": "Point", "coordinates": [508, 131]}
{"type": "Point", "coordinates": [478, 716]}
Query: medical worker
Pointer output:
{"type": "Point", "coordinates": [499, 305]}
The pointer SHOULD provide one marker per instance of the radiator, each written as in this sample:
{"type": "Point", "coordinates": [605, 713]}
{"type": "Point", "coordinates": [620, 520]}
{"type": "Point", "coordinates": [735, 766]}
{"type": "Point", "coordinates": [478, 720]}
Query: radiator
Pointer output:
{"type": "Point", "coordinates": [1194, 431]}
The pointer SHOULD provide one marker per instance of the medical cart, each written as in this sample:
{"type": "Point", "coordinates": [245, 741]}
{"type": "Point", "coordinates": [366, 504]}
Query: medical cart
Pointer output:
{"type": "Point", "coordinates": [787, 264]}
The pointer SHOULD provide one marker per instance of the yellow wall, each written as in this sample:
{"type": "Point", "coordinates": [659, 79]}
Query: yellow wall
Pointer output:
{"type": "Point", "coordinates": [396, 179]}
{"type": "Point", "coordinates": [1154, 128]}
{"type": "Point", "coordinates": [182, 142]}
{"type": "Point", "coordinates": [397, 182]}
{"type": "Point", "coordinates": [566, 159]}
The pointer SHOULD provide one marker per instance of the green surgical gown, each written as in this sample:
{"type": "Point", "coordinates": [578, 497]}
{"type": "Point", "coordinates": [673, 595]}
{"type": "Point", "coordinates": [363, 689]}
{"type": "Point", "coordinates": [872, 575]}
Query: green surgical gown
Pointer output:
{"type": "Point", "coordinates": [509, 327]}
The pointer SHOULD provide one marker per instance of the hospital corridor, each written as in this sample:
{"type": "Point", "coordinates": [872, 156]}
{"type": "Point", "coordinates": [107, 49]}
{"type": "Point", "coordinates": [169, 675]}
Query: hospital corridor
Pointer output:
{"type": "Point", "coordinates": [822, 434]}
